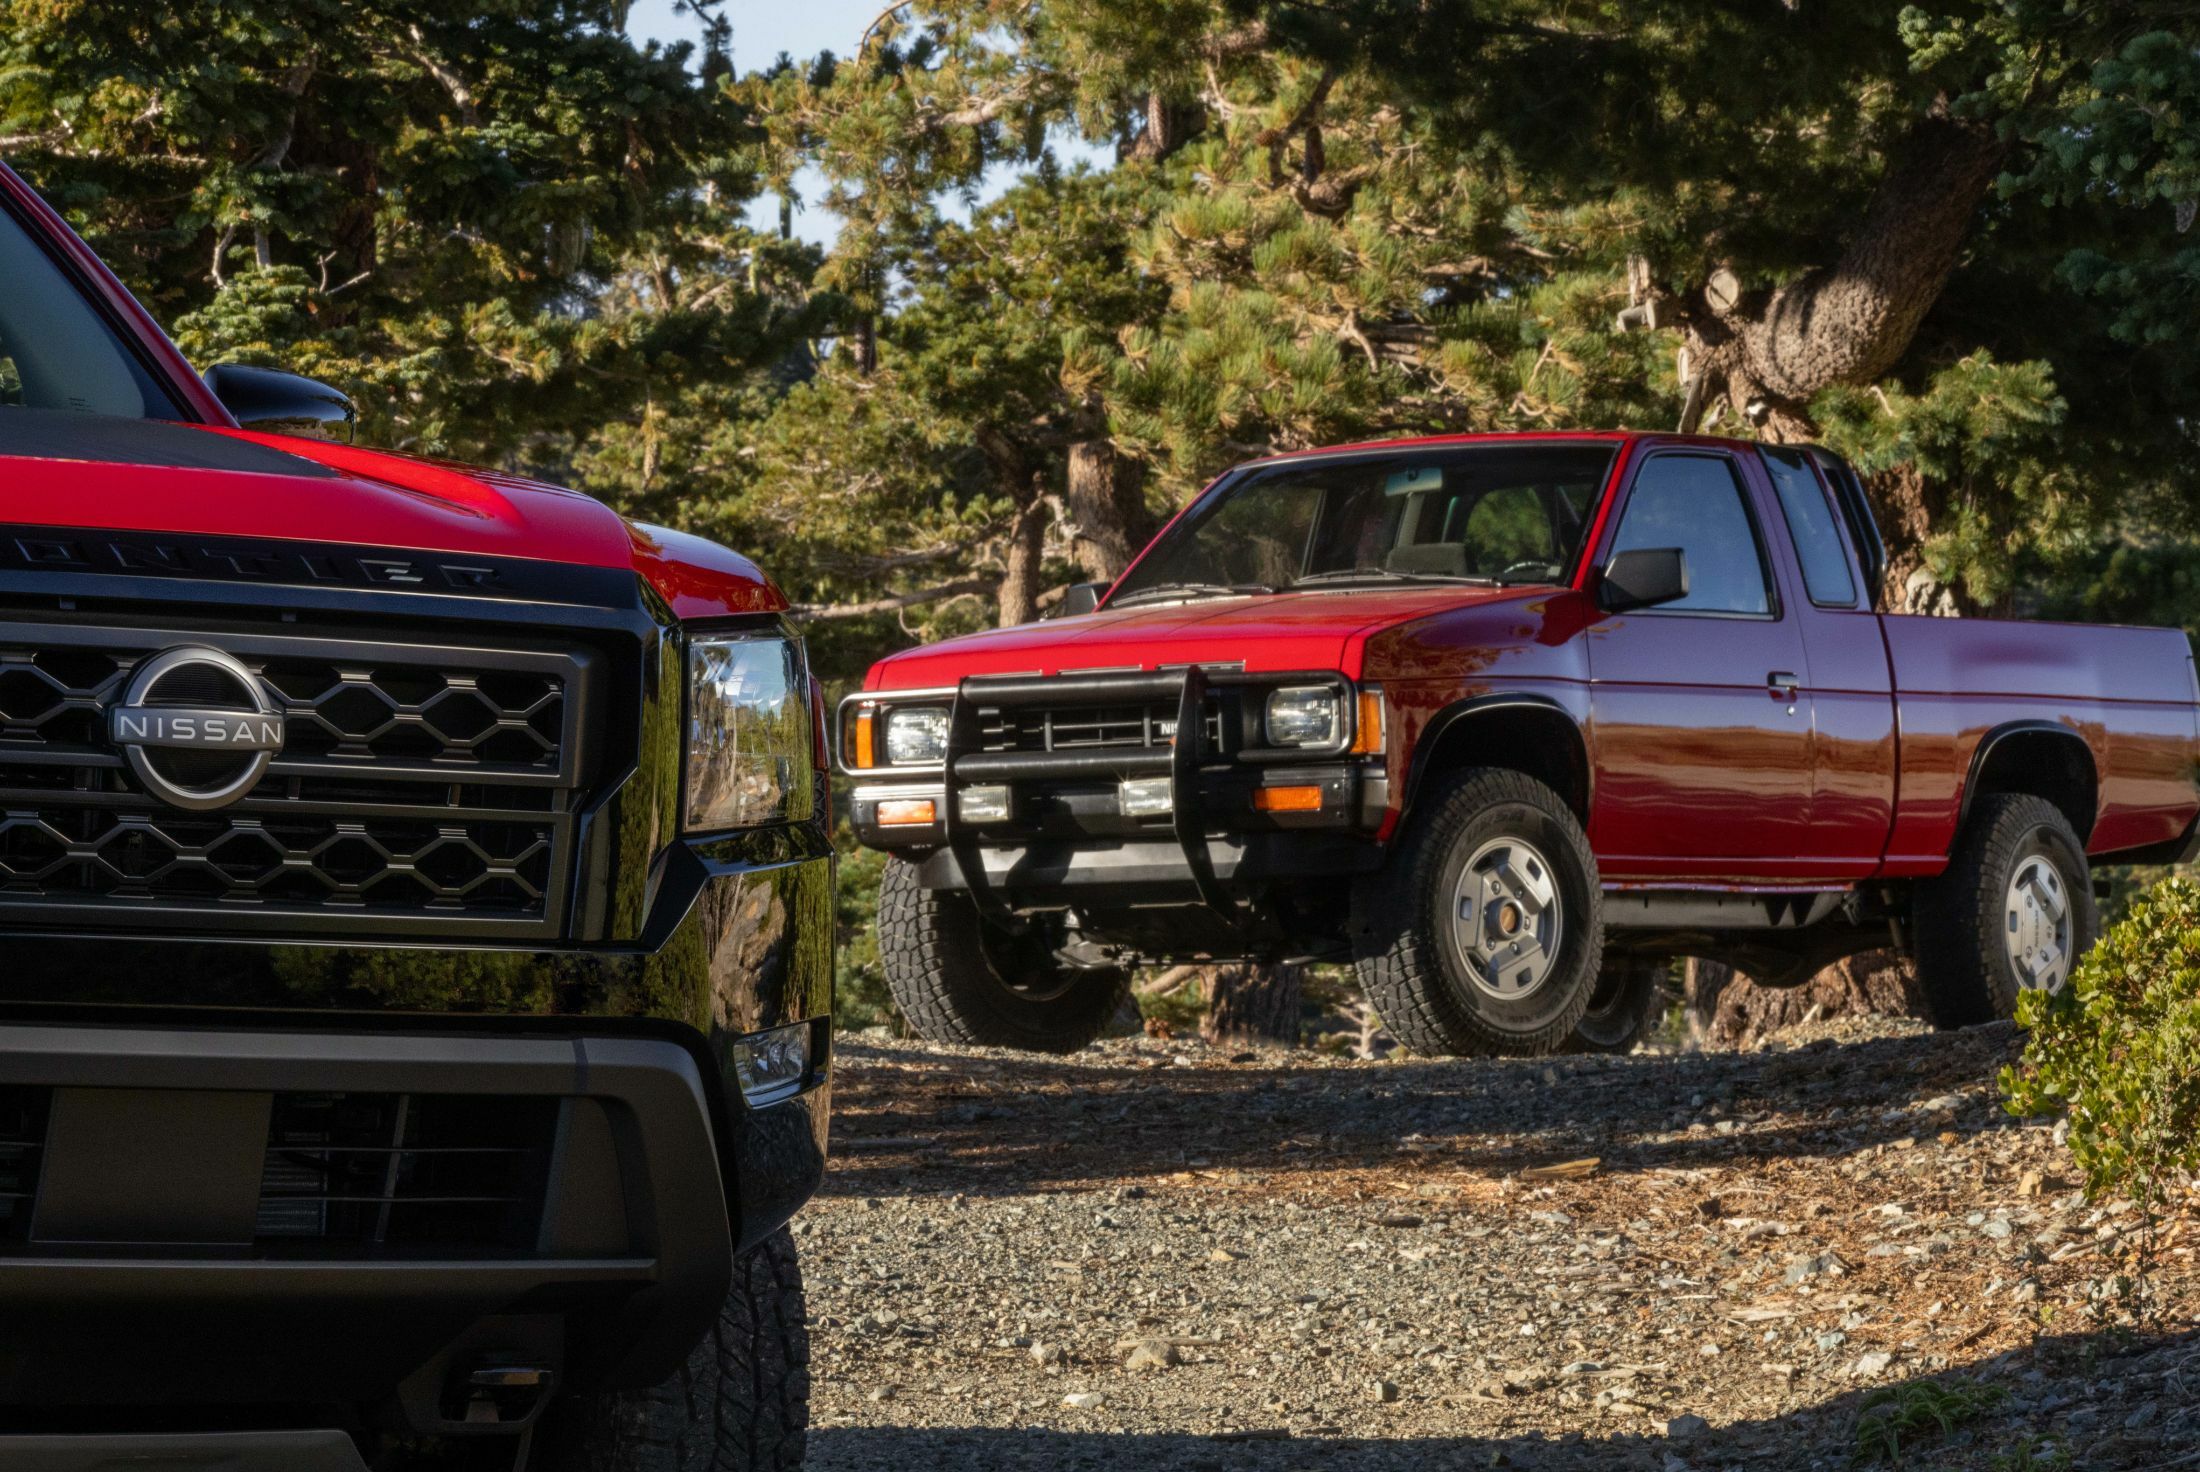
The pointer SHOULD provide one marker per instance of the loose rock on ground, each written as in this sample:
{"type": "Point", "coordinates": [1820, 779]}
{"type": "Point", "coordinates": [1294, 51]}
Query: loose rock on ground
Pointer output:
{"type": "Point", "coordinates": [1150, 1255]}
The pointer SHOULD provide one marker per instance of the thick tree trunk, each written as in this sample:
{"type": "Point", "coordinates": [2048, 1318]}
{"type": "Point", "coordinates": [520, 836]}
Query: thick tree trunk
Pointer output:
{"type": "Point", "coordinates": [1019, 596]}
{"type": "Point", "coordinates": [1025, 546]}
{"type": "Point", "coordinates": [1107, 503]}
{"type": "Point", "coordinates": [1253, 1004]}
{"type": "Point", "coordinates": [1848, 323]}
{"type": "Point", "coordinates": [1727, 1009]}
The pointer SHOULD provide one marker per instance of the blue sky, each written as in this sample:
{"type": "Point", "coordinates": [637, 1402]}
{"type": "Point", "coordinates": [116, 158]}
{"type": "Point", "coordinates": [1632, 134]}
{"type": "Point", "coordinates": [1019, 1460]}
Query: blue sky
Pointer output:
{"type": "Point", "coordinates": [802, 28]}
{"type": "Point", "coordinates": [762, 30]}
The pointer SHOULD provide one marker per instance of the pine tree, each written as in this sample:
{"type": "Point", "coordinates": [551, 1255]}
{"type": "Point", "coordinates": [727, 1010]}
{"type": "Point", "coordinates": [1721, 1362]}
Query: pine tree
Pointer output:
{"type": "Point", "coordinates": [489, 221]}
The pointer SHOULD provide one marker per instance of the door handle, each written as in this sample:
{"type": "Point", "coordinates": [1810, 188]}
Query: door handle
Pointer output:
{"type": "Point", "coordinates": [1783, 680]}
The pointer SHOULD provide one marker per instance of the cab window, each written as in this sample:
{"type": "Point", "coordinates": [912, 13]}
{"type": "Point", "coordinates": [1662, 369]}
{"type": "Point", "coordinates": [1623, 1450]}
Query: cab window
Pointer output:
{"type": "Point", "coordinates": [1818, 548]}
{"type": "Point", "coordinates": [1694, 502]}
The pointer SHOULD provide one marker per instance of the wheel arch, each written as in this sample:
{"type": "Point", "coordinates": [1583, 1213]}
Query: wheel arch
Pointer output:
{"type": "Point", "coordinates": [2040, 759]}
{"type": "Point", "coordinates": [1530, 734]}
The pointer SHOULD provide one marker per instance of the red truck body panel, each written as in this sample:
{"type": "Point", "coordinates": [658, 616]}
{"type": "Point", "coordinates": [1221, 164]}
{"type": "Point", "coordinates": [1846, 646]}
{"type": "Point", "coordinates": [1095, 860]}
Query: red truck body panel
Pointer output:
{"type": "Point", "coordinates": [378, 500]}
{"type": "Point", "coordinates": [1706, 772]}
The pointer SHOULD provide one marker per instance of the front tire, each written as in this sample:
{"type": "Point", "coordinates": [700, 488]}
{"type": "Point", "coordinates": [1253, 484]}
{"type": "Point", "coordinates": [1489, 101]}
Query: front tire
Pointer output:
{"type": "Point", "coordinates": [740, 1404]}
{"type": "Point", "coordinates": [2012, 912]}
{"type": "Point", "coordinates": [1483, 933]}
{"type": "Point", "coordinates": [1628, 995]}
{"type": "Point", "coordinates": [958, 979]}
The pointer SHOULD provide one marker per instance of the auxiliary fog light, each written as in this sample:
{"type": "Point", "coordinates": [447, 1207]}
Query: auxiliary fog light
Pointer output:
{"type": "Point", "coordinates": [1146, 797]}
{"type": "Point", "coordinates": [773, 1064]}
{"type": "Point", "coordinates": [982, 804]}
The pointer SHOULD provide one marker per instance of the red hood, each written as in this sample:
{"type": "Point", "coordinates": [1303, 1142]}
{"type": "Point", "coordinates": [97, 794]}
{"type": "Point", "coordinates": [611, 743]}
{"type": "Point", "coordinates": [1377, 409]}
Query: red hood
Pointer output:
{"type": "Point", "coordinates": [381, 500]}
{"type": "Point", "coordinates": [1269, 632]}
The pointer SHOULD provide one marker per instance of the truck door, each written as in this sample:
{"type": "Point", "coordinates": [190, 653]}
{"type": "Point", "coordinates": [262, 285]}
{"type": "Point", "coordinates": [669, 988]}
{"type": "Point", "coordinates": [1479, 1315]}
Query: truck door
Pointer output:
{"type": "Point", "coordinates": [1701, 736]}
{"type": "Point", "coordinates": [1848, 681]}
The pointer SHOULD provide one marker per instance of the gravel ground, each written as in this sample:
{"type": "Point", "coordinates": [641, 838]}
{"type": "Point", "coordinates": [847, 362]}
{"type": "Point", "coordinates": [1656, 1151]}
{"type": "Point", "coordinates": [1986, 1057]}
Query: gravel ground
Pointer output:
{"type": "Point", "coordinates": [1156, 1255]}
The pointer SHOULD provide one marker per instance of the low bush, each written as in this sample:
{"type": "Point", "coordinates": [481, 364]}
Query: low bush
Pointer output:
{"type": "Point", "coordinates": [2117, 1053]}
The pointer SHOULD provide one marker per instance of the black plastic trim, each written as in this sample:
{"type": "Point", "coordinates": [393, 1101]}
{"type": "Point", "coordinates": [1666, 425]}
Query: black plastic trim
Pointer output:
{"type": "Point", "coordinates": [89, 560]}
{"type": "Point", "coordinates": [1985, 750]}
{"type": "Point", "coordinates": [1440, 724]}
{"type": "Point", "coordinates": [228, 1451]}
{"type": "Point", "coordinates": [674, 1278]}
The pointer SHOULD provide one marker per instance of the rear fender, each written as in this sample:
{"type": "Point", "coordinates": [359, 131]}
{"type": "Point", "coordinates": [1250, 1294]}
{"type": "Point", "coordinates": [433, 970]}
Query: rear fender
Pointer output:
{"type": "Point", "coordinates": [2040, 758]}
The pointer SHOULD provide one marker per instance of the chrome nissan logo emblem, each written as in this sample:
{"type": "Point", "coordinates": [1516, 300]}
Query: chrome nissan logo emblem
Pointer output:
{"type": "Point", "coordinates": [198, 728]}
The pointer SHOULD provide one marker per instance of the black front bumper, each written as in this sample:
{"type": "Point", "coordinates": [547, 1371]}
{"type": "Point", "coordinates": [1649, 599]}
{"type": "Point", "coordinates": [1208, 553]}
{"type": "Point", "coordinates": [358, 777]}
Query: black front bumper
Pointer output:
{"type": "Point", "coordinates": [143, 1271]}
{"type": "Point", "coordinates": [1069, 835]}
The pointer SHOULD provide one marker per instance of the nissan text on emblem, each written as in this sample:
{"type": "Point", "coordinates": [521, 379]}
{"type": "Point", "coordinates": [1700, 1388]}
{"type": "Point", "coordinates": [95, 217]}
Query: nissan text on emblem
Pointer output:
{"type": "Point", "coordinates": [197, 727]}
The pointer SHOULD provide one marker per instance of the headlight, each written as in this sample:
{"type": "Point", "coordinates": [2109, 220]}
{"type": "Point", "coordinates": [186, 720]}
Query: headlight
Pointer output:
{"type": "Point", "coordinates": [749, 751]}
{"type": "Point", "coordinates": [918, 734]}
{"type": "Point", "coordinates": [1303, 715]}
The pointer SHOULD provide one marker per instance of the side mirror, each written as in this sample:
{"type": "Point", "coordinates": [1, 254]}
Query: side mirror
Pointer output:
{"type": "Point", "coordinates": [282, 403]}
{"type": "Point", "coordinates": [1644, 577]}
{"type": "Point", "coordinates": [1081, 598]}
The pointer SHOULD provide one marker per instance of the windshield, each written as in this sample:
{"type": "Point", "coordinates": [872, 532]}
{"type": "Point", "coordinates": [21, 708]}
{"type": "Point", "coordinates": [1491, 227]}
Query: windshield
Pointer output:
{"type": "Point", "coordinates": [56, 350]}
{"type": "Point", "coordinates": [1492, 513]}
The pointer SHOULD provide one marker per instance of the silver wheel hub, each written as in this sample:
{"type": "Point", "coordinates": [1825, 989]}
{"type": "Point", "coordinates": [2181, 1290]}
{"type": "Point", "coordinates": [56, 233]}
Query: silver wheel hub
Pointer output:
{"type": "Point", "coordinates": [1507, 919]}
{"type": "Point", "coordinates": [2038, 929]}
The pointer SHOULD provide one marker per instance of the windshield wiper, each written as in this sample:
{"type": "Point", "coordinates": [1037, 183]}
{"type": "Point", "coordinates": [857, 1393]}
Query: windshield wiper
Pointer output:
{"type": "Point", "coordinates": [1390, 575]}
{"type": "Point", "coordinates": [1190, 590]}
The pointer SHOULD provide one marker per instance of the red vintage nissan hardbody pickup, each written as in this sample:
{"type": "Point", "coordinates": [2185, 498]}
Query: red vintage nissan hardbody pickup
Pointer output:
{"type": "Point", "coordinates": [1510, 721]}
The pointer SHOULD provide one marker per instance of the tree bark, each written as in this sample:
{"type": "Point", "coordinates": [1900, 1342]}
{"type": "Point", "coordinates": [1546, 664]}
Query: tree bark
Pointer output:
{"type": "Point", "coordinates": [1168, 125]}
{"type": "Point", "coordinates": [1727, 1009]}
{"type": "Point", "coordinates": [1107, 503]}
{"type": "Point", "coordinates": [1253, 1004]}
{"type": "Point", "coordinates": [1848, 323]}
{"type": "Point", "coordinates": [1019, 594]}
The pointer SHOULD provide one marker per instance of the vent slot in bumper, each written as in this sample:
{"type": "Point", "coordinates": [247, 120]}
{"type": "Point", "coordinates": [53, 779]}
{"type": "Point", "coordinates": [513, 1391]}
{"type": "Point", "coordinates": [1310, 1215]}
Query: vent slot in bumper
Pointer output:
{"type": "Point", "coordinates": [365, 1175]}
{"type": "Point", "coordinates": [23, 1112]}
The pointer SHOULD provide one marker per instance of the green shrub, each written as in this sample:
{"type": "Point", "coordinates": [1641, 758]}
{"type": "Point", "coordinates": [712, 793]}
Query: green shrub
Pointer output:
{"type": "Point", "coordinates": [1894, 1419]}
{"type": "Point", "coordinates": [2117, 1052]}
{"type": "Point", "coordinates": [860, 998]}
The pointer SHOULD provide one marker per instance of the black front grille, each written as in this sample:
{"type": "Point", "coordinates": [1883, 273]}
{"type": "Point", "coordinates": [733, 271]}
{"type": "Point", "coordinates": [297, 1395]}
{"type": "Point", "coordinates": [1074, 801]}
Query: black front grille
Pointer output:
{"type": "Point", "coordinates": [22, 1148]}
{"type": "Point", "coordinates": [1088, 727]}
{"type": "Point", "coordinates": [477, 866]}
{"type": "Point", "coordinates": [418, 785]}
{"type": "Point", "coordinates": [404, 1174]}
{"type": "Point", "coordinates": [359, 707]}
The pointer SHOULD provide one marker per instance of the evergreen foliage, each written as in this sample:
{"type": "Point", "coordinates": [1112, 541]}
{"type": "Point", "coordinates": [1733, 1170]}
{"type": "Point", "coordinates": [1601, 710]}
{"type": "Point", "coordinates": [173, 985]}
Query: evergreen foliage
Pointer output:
{"type": "Point", "coordinates": [515, 235]}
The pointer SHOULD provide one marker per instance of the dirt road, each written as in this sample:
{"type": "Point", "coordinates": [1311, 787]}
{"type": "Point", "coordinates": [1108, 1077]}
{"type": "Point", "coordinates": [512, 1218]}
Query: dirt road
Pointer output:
{"type": "Point", "coordinates": [1360, 1265]}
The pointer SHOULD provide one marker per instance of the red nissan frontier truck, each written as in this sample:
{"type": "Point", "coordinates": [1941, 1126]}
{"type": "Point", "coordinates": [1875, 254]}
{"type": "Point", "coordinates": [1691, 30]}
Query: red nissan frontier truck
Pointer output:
{"type": "Point", "coordinates": [416, 938]}
{"type": "Point", "coordinates": [1509, 722]}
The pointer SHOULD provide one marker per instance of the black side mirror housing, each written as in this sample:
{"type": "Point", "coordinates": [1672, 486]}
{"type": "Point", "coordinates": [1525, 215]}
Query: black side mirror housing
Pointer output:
{"type": "Point", "coordinates": [1644, 577]}
{"type": "Point", "coordinates": [1081, 598]}
{"type": "Point", "coordinates": [282, 403]}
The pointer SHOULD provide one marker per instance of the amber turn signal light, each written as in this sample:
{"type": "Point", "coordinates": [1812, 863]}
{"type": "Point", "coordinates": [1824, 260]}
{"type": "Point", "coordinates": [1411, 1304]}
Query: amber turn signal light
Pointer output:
{"type": "Point", "coordinates": [1368, 739]}
{"type": "Point", "coordinates": [908, 812]}
{"type": "Point", "coordinates": [1287, 799]}
{"type": "Point", "coordinates": [862, 753]}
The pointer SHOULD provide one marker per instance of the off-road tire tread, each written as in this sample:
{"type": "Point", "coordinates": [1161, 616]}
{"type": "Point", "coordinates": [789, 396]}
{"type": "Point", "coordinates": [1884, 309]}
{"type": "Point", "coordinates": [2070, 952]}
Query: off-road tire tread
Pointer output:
{"type": "Point", "coordinates": [934, 956]}
{"type": "Point", "coordinates": [1398, 958]}
{"type": "Point", "coordinates": [1961, 966]}
{"type": "Point", "coordinates": [1640, 993]}
{"type": "Point", "coordinates": [740, 1404]}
